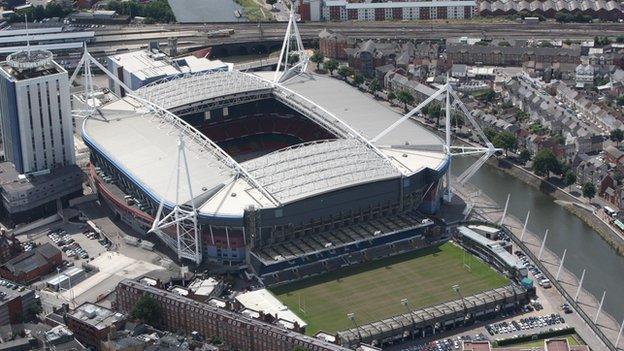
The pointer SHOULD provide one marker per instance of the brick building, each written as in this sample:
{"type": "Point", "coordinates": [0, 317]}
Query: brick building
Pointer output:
{"type": "Point", "coordinates": [510, 55]}
{"type": "Point", "coordinates": [333, 45]}
{"type": "Point", "coordinates": [31, 265]}
{"type": "Point", "coordinates": [15, 303]}
{"type": "Point", "coordinates": [92, 324]}
{"type": "Point", "coordinates": [9, 247]}
{"type": "Point", "coordinates": [183, 315]}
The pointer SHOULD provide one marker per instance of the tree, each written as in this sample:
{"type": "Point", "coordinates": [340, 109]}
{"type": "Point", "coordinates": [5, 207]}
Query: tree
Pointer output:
{"type": "Point", "coordinates": [521, 116]}
{"type": "Point", "coordinates": [486, 96]}
{"type": "Point", "coordinates": [391, 96]}
{"type": "Point", "coordinates": [405, 98]}
{"type": "Point", "coordinates": [617, 135]}
{"type": "Point", "coordinates": [589, 190]}
{"type": "Point", "coordinates": [374, 86]}
{"type": "Point", "coordinates": [331, 65]}
{"type": "Point", "coordinates": [525, 156]}
{"type": "Point", "coordinates": [293, 58]}
{"type": "Point", "coordinates": [545, 162]}
{"type": "Point", "coordinates": [318, 58]}
{"type": "Point", "coordinates": [505, 140]}
{"type": "Point", "coordinates": [620, 100]}
{"type": "Point", "coordinates": [457, 120]}
{"type": "Point", "coordinates": [358, 79]}
{"type": "Point", "coordinates": [147, 310]}
{"type": "Point", "coordinates": [434, 111]}
{"type": "Point", "coordinates": [271, 2]}
{"type": "Point", "coordinates": [345, 71]}
{"type": "Point", "coordinates": [569, 178]}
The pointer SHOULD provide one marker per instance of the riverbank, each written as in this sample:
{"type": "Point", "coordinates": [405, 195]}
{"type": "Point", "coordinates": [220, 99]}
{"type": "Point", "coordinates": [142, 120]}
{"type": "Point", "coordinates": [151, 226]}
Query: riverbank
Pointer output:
{"type": "Point", "coordinates": [563, 199]}
{"type": "Point", "coordinates": [599, 335]}
{"type": "Point", "coordinates": [558, 195]}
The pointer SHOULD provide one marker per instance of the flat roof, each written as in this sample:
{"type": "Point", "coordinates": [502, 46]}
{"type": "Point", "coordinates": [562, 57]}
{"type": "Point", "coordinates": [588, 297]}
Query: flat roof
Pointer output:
{"type": "Point", "coordinates": [146, 151]}
{"type": "Point", "coordinates": [263, 300]}
{"type": "Point", "coordinates": [51, 47]}
{"type": "Point", "coordinates": [143, 143]}
{"type": "Point", "coordinates": [153, 64]}
{"type": "Point", "coordinates": [406, 4]}
{"type": "Point", "coordinates": [96, 316]}
{"type": "Point", "coordinates": [47, 37]}
{"type": "Point", "coordinates": [30, 31]}
{"type": "Point", "coordinates": [362, 112]}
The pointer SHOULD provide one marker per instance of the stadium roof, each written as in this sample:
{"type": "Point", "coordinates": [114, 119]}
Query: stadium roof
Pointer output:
{"type": "Point", "coordinates": [139, 134]}
{"type": "Point", "coordinates": [366, 115]}
{"type": "Point", "coordinates": [305, 169]}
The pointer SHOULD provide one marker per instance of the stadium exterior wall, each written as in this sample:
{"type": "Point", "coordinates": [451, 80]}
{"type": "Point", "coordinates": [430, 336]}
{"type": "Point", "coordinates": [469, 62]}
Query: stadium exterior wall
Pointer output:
{"type": "Point", "coordinates": [225, 239]}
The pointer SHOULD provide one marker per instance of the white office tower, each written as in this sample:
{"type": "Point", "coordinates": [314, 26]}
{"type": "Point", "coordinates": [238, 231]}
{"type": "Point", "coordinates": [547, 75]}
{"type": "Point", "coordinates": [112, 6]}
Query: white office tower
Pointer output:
{"type": "Point", "coordinates": [35, 110]}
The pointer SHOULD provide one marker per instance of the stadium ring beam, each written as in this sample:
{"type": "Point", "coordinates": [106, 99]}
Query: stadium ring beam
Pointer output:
{"type": "Point", "coordinates": [303, 188]}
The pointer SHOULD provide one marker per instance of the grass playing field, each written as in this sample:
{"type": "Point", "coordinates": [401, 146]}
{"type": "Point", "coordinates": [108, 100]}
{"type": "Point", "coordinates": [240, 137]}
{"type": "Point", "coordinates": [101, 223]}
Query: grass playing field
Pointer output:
{"type": "Point", "coordinates": [374, 290]}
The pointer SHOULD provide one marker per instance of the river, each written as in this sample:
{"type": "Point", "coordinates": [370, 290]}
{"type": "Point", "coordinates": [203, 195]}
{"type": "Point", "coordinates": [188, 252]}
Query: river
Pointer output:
{"type": "Point", "coordinates": [586, 249]}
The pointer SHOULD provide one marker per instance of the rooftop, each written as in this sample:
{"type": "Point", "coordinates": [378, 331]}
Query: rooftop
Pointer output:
{"type": "Point", "coordinates": [28, 64]}
{"type": "Point", "coordinates": [31, 260]}
{"type": "Point", "coordinates": [141, 138]}
{"type": "Point", "coordinates": [146, 64]}
{"type": "Point", "coordinates": [263, 300]}
{"type": "Point", "coordinates": [96, 316]}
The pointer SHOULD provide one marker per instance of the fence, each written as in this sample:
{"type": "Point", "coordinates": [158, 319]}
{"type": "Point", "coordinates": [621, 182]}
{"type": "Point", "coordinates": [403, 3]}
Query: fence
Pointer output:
{"type": "Point", "coordinates": [588, 320]}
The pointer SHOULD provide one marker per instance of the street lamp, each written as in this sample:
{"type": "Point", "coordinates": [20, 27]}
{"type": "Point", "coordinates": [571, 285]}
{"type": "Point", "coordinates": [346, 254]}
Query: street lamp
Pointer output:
{"type": "Point", "coordinates": [405, 303]}
{"type": "Point", "coordinates": [351, 317]}
{"type": "Point", "coordinates": [456, 288]}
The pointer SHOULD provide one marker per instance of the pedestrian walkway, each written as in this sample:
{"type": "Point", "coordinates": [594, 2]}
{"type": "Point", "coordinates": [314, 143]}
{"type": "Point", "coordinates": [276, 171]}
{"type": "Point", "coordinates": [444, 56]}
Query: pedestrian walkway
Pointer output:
{"type": "Point", "coordinates": [486, 209]}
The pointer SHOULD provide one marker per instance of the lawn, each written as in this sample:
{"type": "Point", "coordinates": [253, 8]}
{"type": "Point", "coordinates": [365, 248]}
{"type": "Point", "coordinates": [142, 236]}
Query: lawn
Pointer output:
{"type": "Point", "coordinates": [374, 290]}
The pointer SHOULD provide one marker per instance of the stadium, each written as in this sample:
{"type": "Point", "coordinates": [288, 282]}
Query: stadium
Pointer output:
{"type": "Point", "coordinates": [280, 174]}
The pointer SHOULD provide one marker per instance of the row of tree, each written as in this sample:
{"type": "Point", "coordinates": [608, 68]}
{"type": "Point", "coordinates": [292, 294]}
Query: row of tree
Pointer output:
{"type": "Point", "coordinates": [545, 163]}
{"type": "Point", "coordinates": [154, 11]}
{"type": "Point", "coordinates": [38, 13]}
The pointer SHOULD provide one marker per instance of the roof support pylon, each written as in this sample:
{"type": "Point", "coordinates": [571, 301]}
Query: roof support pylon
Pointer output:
{"type": "Point", "coordinates": [183, 217]}
{"type": "Point", "coordinates": [284, 69]}
{"type": "Point", "coordinates": [85, 64]}
{"type": "Point", "coordinates": [452, 102]}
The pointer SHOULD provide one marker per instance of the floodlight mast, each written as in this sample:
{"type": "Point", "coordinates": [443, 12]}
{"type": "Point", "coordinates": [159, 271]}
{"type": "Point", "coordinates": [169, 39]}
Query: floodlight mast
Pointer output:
{"type": "Point", "coordinates": [450, 150]}
{"type": "Point", "coordinates": [292, 35]}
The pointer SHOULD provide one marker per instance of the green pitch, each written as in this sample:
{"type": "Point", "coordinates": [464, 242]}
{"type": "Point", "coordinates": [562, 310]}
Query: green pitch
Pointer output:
{"type": "Point", "coordinates": [374, 290]}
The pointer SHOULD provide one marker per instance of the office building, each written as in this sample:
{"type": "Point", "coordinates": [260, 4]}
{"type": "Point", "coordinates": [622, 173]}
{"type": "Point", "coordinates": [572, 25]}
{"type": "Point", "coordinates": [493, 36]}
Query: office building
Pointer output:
{"type": "Point", "coordinates": [35, 110]}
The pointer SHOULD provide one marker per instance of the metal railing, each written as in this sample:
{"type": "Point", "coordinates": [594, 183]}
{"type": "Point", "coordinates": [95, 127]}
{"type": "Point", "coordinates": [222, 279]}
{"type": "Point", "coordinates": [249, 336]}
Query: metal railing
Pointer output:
{"type": "Point", "coordinates": [588, 320]}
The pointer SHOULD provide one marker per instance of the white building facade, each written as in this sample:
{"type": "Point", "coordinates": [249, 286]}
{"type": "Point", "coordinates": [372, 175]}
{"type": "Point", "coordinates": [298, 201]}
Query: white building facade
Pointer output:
{"type": "Point", "coordinates": [341, 10]}
{"type": "Point", "coordinates": [35, 110]}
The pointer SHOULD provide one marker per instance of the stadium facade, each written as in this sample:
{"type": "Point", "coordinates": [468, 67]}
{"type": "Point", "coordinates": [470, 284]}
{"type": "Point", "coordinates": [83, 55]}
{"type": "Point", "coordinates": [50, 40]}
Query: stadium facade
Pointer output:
{"type": "Point", "coordinates": [280, 174]}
